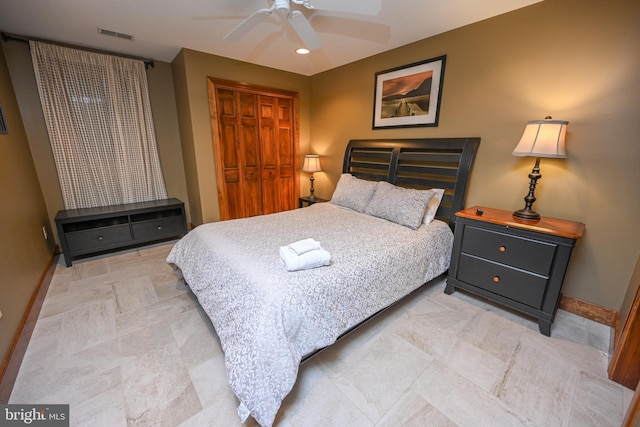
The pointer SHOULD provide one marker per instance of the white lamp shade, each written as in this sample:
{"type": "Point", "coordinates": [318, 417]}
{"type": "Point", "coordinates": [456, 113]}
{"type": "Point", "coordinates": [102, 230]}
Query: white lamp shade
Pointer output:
{"type": "Point", "coordinates": [543, 138]}
{"type": "Point", "coordinates": [311, 163]}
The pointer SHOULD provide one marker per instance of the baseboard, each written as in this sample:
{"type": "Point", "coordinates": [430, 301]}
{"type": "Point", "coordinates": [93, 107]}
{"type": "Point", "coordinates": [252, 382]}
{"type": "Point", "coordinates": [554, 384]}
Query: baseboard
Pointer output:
{"type": "Point", "coordinates": [13, 360]}
{"type": "Point", "coordinates": [589, 311]}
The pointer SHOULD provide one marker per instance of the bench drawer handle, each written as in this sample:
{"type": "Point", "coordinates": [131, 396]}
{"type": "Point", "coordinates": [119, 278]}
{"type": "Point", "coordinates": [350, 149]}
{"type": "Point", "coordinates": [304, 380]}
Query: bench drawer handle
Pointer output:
{"type": "Point", "coordinates": [496, 279]}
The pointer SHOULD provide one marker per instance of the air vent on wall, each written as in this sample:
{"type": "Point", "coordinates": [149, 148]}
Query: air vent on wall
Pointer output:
{"type": "Point", "coordinates": [3, 123]}
{"type": "Point", "coordinates": [115, 34]}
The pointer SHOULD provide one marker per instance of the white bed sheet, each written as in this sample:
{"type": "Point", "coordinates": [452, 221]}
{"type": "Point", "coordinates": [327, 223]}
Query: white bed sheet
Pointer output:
{"type": "Point", "coordinates": [267, 318]}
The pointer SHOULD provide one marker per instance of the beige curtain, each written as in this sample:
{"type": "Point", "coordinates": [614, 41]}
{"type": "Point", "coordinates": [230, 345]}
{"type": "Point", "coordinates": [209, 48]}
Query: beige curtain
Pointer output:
{"type": "Point", "coordinates": [99, 120]}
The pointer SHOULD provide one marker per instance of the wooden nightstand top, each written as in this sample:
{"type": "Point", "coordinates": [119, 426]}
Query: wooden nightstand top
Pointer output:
{"type": "Point", "coordinates": [309, 201]}
{"type": "Point", "coordinates": [554, 226]}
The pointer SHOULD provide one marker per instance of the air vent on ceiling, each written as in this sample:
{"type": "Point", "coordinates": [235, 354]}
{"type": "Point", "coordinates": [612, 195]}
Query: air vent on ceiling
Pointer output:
{"type": "Point", "coordinates": [115, 34]}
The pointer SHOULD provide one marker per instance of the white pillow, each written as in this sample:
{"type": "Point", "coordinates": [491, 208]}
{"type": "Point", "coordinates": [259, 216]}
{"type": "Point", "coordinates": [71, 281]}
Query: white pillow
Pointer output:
{"type": "Point", "coordinates": [353, 193]}
{"type": "Point", "coordinates": [433, 206]}
{"type": "Point", "coordinates": [404, 206]}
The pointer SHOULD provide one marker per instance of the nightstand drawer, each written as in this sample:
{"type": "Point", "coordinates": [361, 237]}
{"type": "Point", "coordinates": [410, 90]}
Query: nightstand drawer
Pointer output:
{"type": "Point", "coordinates": [500, 279]}
{"type": "Point", "coordinates": [531, 255]}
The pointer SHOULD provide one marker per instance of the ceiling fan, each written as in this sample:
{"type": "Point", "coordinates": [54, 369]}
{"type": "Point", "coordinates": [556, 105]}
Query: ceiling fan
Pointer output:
{"type": "Point", "coordinates": [299, 22]}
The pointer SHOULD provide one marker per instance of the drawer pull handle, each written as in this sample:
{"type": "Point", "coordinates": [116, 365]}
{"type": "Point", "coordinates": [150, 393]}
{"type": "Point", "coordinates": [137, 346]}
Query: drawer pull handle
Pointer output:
{"type": "Point", "coordinates": [100, 237]}
{"type": "Point", "coordinates": [503, 249]}
{"type": "Point", "coordinates": [496, 279]}
{"type": "Point", "coordinates": [159, 227]}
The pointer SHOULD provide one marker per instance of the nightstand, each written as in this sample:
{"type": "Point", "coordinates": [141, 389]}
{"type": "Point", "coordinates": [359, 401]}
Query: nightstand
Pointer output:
{"type": "Point", "coordinates": [309, 201]}
{"type": "Point", "coordinates": [519, 264]}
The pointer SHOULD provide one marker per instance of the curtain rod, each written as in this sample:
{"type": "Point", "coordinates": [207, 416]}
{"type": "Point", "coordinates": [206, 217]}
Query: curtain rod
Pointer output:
{"type": "Point", "coordinates": [14, 37]}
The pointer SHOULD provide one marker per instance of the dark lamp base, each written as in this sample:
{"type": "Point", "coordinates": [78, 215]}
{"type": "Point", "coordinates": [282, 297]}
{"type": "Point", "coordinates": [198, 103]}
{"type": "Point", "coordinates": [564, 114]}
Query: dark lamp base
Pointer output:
{"type": "Point", "coordinates": [311, 197]}
{"type": "Point", "coordinates": [527, 214]}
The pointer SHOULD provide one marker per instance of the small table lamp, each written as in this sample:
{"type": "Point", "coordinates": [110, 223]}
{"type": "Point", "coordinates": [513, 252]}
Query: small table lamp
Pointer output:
{"type": "Point", "coordinates": [541, 138]}
{"type": "Point", "coordinates": [311, 165]}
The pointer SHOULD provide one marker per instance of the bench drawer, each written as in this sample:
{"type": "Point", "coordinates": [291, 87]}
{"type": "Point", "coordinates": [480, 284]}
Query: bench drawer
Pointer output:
{"type": "Point", "coordinates": [158, 228]}
{"type": "Point", "coordinates": [97, 238]}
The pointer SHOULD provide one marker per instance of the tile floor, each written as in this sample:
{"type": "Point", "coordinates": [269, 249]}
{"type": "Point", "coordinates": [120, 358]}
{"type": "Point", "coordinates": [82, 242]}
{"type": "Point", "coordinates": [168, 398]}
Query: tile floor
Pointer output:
{"type": "Point", "coordinates": [124, 342]}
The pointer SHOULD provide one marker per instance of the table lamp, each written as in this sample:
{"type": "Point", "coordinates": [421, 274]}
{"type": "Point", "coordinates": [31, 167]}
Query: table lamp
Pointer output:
{"type": "Point", "coordinates": [541, 138]}
{"type": "Point", "coordinates": [311, 165]}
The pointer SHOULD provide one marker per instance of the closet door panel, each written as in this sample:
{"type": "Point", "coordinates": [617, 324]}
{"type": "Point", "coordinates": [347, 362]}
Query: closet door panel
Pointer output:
{"type": "Point", "coordinates": [230, 189]}
{"type": "Point", "coordinates": [228, 129]}
{"type": "Point", "coordinates": [286, 154]}
{"type": "Point", "coordinates": [233, 200]}
{"type": "Point", "coordinates": [269, 152]}
{"type": "Point", "coordinates": [250, 154]}
{"type": "Point", "coordinates": [268, 147]}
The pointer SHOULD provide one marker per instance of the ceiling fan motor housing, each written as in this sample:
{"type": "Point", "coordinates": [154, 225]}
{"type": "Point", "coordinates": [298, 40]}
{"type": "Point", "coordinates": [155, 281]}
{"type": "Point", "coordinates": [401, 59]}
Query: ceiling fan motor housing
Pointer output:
{"type": "Point", "coordinates": [282, 7]}
{"type": "Point", "coordinates": [299, 22]}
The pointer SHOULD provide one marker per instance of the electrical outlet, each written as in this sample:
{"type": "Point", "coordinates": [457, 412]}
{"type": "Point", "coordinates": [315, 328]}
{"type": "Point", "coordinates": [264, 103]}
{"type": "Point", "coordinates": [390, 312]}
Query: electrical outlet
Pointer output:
{"type": "Point", "coordinates": [44, 231]}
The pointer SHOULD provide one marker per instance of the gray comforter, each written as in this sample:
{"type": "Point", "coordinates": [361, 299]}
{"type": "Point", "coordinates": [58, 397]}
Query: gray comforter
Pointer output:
{"type": "Point", "coordinates": [267, 318]}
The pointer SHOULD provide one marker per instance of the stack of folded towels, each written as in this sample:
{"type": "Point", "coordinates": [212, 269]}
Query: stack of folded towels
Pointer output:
{"type": "Point", "coordinates": [304, 254]}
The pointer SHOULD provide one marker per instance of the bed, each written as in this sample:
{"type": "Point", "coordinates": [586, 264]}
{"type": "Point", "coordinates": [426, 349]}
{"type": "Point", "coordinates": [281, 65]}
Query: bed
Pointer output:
{"type": "Point", "coordinates": [268, 319]}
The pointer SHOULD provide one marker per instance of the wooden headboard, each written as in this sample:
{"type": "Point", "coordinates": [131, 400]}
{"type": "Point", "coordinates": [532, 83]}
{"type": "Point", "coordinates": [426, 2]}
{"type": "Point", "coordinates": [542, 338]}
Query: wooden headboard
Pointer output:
{"type": "Point", "coordinates": [417, 163]}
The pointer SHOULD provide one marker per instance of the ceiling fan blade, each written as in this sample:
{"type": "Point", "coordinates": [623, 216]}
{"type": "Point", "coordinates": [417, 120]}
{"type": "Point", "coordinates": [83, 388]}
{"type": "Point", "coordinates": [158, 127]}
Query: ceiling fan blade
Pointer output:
{"type": "Point", "coordinates": [362, 7]}
{"type": "Point", "coordinates": [243, 28]}
{"type": "Point", "coordinates": [304, 29]}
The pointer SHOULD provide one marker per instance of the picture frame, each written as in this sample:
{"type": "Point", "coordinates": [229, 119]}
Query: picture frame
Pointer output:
{"type": "Point", "coordinates": [410, 95]}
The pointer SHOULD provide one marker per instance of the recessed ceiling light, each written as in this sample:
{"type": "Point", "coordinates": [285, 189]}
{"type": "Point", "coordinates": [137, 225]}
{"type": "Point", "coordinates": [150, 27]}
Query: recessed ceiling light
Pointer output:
{"type": "Point", "coordinates": [302, 51]}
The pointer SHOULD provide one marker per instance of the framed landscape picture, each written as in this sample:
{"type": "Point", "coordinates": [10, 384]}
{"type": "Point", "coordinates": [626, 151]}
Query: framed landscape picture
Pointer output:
{"type": "Point", "coordinates": [410, 95]}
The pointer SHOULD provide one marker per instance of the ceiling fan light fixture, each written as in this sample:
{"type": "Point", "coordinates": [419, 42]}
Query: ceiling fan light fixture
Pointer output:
{"type": "Point", "coordinates": [282, 7]}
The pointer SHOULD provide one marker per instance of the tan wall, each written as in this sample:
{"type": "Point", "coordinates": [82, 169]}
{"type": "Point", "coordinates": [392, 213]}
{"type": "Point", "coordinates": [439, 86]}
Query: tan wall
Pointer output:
{"type": "Point", "coordinates": [186, 136]}
{"type": "Point", "coordinates": [24, 83]}
{"type": "Point", "coordinates": [191, 70]}
{"type": "Point", "coordinates": [165, 118]}
{"type": "Point", "coordinates": [24, 253]}
{"type": "Point", "coordinates": [163, 105]}
{"type": "Point", "coordinates": [572, 59]}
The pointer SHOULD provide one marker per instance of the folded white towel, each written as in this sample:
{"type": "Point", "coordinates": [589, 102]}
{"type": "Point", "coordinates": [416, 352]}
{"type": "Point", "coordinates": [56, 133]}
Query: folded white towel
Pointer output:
{"type": "Point", "coordinates": [310, 259]}
{"type": "Point", "coordinates": [302, 246]}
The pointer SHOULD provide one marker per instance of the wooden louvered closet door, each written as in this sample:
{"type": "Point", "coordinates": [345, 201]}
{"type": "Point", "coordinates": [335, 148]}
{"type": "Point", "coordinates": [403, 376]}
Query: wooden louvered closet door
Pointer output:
{"type": "Point", "coordinates": [255, 147]}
